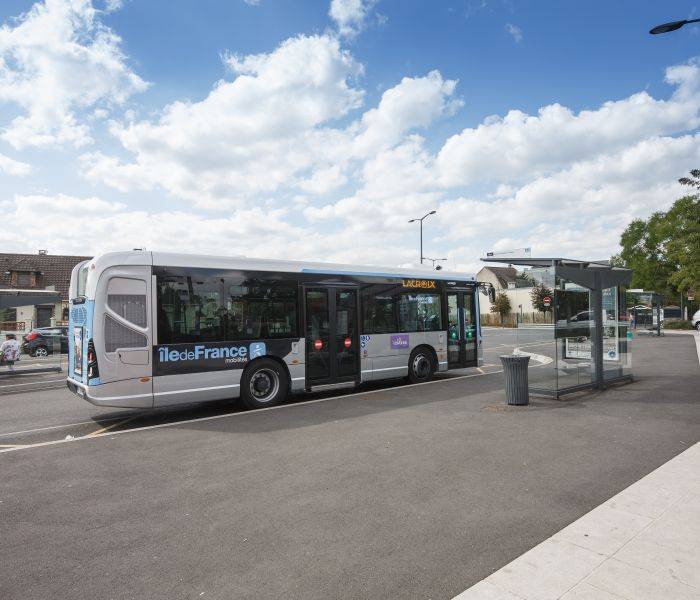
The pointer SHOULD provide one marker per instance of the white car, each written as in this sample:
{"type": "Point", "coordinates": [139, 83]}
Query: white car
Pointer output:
{"type": "Point", "coordinates": [696, 320]}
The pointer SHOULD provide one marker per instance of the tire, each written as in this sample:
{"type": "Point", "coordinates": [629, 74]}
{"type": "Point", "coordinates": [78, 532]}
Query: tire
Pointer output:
{"type": "Point", "coordinates": [264, 384]}
{"type": "Point", "coordinates": [697, 326]}
{"type": "Point", "coordinates": [40, 352]}
{"type": "Point", "coordinates": [421, 365]}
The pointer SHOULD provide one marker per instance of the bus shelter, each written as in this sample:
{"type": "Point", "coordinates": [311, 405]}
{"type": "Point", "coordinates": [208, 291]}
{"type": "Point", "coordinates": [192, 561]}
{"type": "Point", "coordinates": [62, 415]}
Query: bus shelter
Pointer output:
{"type": "Point", "coordinates": [582, 342]}
{"type": "Point", "coordinates": [645, 312]}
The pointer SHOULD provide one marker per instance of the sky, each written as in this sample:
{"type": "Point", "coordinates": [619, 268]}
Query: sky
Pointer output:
{"type": "Point", "coordinates": [315, 130]}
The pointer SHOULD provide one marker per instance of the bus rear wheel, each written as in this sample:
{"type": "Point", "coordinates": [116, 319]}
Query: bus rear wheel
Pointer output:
{"type": "Point", "coordinates": [421, 365]}
{"type": "Point", "coordinates": [264, 384]}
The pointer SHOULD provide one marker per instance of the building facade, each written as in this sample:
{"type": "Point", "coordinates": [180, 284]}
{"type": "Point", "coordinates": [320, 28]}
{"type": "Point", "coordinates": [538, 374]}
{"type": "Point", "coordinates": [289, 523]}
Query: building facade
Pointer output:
{"type": "Point", "coordinates": [33, 273]}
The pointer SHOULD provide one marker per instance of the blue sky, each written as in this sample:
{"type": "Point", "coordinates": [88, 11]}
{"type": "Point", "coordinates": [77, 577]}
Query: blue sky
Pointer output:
{"type": "Point", "coordinates": [324, 148]}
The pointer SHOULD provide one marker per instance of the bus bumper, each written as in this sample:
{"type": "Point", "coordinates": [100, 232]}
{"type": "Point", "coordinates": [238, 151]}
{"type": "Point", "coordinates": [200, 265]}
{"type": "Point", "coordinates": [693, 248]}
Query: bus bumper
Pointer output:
{"type": "Point", "coordinates": [89, 394]}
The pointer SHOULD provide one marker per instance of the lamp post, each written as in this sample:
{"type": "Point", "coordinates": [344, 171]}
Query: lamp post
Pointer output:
{"type": "Point", "coordinates": [432, 212]}
{"type": "Point", "coordinates": [672, 26]}
{"type": "Point", "coordinates": [434, 260]}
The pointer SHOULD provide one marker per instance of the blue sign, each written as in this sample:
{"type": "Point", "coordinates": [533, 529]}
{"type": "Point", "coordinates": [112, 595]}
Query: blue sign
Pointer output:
{"type": "Point", "coordinates": [399, 341]}
{"type": "Point", "coordinates": [257, 349]}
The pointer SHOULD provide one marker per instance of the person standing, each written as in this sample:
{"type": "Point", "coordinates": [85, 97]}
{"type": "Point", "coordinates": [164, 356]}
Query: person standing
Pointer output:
{"type": "Point", "coordinates": [9, 352]}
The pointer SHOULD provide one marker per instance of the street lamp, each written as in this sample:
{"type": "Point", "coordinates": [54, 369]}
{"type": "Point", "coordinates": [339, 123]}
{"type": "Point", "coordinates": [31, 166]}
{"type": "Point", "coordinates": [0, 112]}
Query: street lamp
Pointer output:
{"type": "Point", "coordinates": [672, 26]}
{"type": "Point", "coordinates": [432, 212]}
{"type": "Point", "coordinates": [434, 260]}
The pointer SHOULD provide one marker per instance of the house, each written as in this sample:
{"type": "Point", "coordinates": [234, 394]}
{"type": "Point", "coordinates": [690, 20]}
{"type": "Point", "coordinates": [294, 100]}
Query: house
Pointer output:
{"type": "Point", "coordinates": [41, 272]}
{"type": "Point", "coordinates": [502, 278]}
{"type": "Point", "coordinates": [516, 285]}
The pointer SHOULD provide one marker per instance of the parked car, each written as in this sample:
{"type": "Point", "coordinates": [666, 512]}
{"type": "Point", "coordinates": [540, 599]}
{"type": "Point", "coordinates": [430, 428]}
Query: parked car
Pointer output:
{"type": "Point", "coordinates": [45, 341]}
{"type": "Point", "coordinates": [696, 320]}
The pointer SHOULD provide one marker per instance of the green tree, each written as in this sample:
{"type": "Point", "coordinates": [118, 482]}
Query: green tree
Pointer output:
{"type": "Point", "coordinates": [683, 246]}
{"type": "Point", "coordinates": [664, 250]}
{"type": "Point", "coordinates": [537, 296]}
{"type": "Point", "coordinates": [501, 305]}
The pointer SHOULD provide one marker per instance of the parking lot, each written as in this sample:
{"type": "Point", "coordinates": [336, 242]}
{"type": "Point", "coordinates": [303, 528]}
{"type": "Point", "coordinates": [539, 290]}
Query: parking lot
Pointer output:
{"type": "Point", "coordinates": [395, 491]}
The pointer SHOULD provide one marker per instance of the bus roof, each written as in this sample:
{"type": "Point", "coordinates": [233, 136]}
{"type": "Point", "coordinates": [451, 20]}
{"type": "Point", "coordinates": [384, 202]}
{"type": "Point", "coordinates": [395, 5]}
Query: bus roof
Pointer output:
{"type": "Point", "coordinates": [172, 259]}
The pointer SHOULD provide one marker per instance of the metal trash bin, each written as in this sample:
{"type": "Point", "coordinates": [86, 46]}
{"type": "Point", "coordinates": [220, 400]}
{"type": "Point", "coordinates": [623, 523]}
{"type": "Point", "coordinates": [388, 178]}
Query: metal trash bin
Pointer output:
{"type": "Point", "coordinates": [515, 372]}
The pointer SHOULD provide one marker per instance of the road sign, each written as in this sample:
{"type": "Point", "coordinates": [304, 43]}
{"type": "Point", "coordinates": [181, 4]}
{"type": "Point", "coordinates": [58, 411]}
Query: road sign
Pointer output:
{"type": "Point", "coordinates": [547, 301]}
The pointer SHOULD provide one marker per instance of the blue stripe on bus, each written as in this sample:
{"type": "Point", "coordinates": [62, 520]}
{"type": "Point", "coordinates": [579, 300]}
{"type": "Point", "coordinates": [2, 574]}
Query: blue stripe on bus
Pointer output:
{"type": "Point", "coordinates": [392, 275]}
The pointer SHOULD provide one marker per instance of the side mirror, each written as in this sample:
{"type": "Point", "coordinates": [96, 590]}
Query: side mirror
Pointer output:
{"type": "Point", "coordinates": [492, 294]}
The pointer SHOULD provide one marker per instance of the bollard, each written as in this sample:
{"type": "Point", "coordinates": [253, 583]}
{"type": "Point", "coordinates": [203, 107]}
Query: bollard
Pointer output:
{"type": "Point", "coordinates": [515, 371]}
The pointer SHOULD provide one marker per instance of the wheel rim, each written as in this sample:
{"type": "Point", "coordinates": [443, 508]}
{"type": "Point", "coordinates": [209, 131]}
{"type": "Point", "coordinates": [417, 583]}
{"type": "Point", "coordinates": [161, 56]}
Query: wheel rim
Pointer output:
{"type": "Point", "coordinates": [41, 352]}
{"type": "Point", "coordinates": [421, 366]}
{"type": "Point", "coordinates": [264, 385]}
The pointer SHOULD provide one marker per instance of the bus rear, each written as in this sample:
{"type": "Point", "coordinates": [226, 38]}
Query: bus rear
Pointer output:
{"type": "Point", "coordinates": [110, 331]}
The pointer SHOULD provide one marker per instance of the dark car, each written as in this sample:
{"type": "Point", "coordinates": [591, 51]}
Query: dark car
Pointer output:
{"type": "Point", "coordinates": [45, 341]}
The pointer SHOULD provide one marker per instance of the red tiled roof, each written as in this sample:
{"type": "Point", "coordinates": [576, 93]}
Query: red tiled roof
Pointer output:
{"type": "Point", "coordinates": [50, 270]}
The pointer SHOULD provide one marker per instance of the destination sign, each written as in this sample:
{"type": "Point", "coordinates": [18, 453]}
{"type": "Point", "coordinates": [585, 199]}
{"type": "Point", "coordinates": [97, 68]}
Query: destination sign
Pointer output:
{"type": "Point", "coordinates": [423, 284]}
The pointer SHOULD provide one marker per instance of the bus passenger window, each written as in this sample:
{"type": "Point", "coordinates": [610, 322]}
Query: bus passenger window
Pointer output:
{"type": "Point", "coordinates": [189, 309]}
{"type": "Point", "coordinates": [260, 309]}
{"type": "Point", "coordinates": [420, 312]}
{"type": "Point", "coordinates": [378, 309]}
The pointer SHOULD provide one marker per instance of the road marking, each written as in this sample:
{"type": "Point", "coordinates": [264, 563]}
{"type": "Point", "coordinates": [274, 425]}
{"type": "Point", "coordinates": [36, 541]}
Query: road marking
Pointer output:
{"type": "Point", "coordinates": [31, 383]}
{"type": "Point", "coordinates": [236, 414]}
{"type": "Point", "coordinates": [108, 427]}
{"type": "Point", "coordinates": [61, 426]}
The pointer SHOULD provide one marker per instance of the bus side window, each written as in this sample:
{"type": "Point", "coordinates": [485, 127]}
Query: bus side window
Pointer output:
{"type": "Point", "coordinates": [420, 312]}
{"type": "Point", "coordinates": [379, 309]}
{"type": "Point", "coordinates": [261, 309]}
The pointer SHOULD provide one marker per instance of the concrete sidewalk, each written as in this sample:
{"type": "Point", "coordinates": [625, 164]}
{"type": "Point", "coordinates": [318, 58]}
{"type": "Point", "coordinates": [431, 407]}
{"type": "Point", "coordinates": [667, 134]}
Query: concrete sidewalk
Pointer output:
{"type": "Point", "coordinates": [644, 543]}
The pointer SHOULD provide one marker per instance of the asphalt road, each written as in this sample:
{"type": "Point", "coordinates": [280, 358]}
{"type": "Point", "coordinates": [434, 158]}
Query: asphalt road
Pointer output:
{"type": "Point", "coordinates": [398, 492]}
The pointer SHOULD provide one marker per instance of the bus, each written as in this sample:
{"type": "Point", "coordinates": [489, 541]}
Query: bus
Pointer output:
{"type": "Point", "coordinates": [152, 329]}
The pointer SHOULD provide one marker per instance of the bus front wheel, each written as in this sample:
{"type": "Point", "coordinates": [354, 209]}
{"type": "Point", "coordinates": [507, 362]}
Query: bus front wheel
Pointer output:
{"type": "Point", "coordinates": [264, 384]}
{"type": "Point", "coordinates": [421, 365]}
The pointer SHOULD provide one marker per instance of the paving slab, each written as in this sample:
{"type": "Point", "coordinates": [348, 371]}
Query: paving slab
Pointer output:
{"type": "Point", "coordinates": [643, 543]}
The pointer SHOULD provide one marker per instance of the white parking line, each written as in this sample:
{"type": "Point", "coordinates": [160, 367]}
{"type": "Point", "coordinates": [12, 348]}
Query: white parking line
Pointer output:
{"type": "Point", "coordinates": [3, 386]}
{"type": "Point", "coordinates": [38, 429]}
{"type": "Point", "coordinates": [238, 414]}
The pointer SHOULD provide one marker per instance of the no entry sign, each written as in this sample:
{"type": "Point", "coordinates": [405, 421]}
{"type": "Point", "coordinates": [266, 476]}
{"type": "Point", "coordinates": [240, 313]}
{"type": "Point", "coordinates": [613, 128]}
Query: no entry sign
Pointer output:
{"type": "Point", "coordinates": [547, 301]}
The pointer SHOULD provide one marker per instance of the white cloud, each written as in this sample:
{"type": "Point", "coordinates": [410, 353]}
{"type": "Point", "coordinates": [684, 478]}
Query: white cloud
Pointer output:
{"type": "Point", "coordinates": [272, 129]}
{"type": "Point", "coordinates": [13, 167]}
{"type": "Point", "coordinates": [413, 103]}
{"type": "Point", "coordinates": [56, 61]}
{"type": "Point", "coordinates": [519, 146]}
{"type": "Point", "coordinates": [275, 137]}
{"type": "Point", "coordinates": [350, 15]}
{"type": "Point", "coordinates": [515, 32]}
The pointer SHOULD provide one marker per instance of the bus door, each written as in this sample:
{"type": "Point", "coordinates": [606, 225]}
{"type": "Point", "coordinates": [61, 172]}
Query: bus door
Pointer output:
{"type": "Point", "coordinates": [332, 335]}
{"type": "Point", "coordinates": [461, 329]}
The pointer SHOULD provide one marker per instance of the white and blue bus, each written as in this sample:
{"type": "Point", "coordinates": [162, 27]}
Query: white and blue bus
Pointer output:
{"type": "Point", "coordinates": [152, 329]}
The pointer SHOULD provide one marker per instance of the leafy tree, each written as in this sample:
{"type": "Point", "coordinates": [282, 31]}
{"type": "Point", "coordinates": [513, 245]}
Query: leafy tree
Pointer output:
{"type": "Point", "coordinates": [683, 246]}
{"type": "Point", "coordinates": [664, 250]}
{"type": "Point", "coordinates": [501, 305]}
{"type": "Point", "coordinates": [537, 296]}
